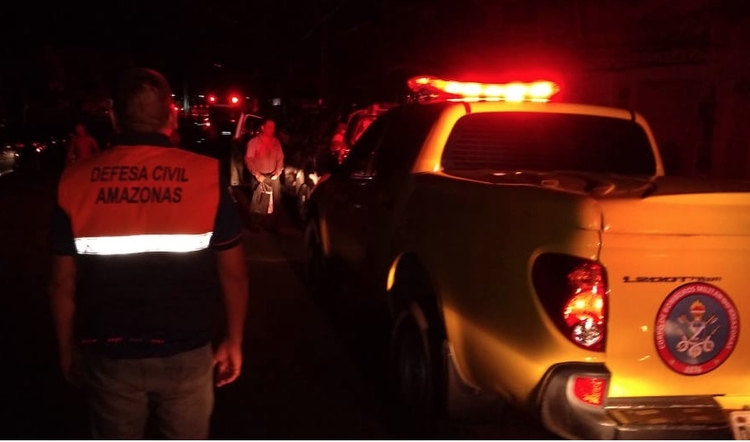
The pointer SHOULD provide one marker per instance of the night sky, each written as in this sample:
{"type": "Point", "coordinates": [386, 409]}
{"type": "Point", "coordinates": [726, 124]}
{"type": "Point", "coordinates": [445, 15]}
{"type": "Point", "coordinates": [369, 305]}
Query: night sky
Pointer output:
{"type": "Point", "coordinates": [350, 48]}
{"type": "Point", "coordinates": [263, 43]}
{"type": "Point", "coordinates": [303, 47]}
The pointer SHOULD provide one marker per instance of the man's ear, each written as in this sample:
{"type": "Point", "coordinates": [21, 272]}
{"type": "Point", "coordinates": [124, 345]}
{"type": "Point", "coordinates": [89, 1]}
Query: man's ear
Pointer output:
{"type": "Point", "coordinates": [173, 119]}
{"type": "Point", "coordinates": [113, 119]}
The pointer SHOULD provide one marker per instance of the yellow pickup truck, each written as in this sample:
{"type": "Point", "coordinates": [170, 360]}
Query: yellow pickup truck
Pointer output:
{"type": "Point", "coordinates": [533, 253]}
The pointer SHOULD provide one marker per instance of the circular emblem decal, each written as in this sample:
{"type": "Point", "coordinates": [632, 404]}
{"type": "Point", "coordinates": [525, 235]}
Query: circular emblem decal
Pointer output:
{"type": "Point", "coordinates": [696, 328]}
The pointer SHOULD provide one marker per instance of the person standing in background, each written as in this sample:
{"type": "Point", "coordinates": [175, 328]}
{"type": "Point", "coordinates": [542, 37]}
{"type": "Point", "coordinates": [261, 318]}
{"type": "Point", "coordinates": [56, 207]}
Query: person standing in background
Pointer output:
{"type": "Point", "coordinates": [81, 146]}
{"type": "Point", "coordinates": [264, 159]}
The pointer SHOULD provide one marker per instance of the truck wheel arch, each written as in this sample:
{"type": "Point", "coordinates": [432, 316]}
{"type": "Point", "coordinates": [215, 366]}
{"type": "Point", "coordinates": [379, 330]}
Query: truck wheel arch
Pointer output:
{"type": "Point", "coordinates": [409, 281]}
{"type": "Point", "coordinates": [412, 292]}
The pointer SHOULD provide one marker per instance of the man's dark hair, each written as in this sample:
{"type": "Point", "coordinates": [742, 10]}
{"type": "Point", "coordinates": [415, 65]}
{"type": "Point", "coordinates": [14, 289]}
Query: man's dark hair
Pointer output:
{"type": "Point", "coordinates": [142, 101]}
{"type": "Point", "coordinates": [265, 120]}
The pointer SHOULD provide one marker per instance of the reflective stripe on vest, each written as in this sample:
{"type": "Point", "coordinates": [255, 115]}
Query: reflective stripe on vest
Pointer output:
{"type": "Point", "coordinates": [126, 245]}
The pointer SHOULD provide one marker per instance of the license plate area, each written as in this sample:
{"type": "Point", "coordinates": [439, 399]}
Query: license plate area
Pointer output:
{"type": "Point", "coordinates": [740, 421]}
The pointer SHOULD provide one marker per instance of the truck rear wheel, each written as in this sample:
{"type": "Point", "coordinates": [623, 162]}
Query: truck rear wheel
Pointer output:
{"type": "Point", "coordinates": [416, 373]}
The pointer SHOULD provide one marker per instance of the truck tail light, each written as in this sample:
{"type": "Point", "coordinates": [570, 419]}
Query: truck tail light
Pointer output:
{"type": "Point", "coordinates": [573, 292]}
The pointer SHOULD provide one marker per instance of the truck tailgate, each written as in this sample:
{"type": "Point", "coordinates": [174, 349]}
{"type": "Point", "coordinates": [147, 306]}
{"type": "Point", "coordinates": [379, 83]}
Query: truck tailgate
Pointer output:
{"type": "Point", "coordinates": [679, 280]}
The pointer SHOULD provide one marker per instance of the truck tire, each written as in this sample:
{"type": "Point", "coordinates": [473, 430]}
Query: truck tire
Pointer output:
{"type": "Point", "coordinates": [417, 376]}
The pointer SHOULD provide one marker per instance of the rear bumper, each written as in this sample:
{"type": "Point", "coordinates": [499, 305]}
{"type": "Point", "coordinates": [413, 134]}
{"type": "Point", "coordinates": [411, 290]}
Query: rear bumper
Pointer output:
{"type": "Point", "coordinates": [678, 417]}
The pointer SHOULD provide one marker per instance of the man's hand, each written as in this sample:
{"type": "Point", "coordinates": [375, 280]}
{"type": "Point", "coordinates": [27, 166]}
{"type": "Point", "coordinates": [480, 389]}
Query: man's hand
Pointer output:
{"type": "Point", "coordinates": [66, 366]}
{"type": "Point", "coordinates": [69, 365]}
{"type": "Point", "coordinates": [228, 362]}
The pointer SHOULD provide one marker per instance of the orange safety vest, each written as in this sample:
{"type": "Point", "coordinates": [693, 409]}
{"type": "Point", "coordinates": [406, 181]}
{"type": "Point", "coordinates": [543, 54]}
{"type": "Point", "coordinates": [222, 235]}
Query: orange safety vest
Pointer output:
{"type": "Point", "coordinates": [134, 199]}
{"type": "Point", "coordinates": [142, 220]}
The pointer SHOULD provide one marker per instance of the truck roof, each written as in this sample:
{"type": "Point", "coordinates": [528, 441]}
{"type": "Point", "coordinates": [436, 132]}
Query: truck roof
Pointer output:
{"type": "Point", "coordinates": [511, 131]}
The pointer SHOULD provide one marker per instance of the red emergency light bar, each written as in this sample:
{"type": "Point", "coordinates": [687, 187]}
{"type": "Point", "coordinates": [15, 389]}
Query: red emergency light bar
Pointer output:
{"type": "Point", "coordinates": [538, 91]}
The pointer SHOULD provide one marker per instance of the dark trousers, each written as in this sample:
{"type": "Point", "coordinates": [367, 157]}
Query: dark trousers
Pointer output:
{"type": "Point", "coordinates": [175, 393]}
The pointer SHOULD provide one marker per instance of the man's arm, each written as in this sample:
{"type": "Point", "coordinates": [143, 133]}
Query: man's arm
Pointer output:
{"type": "Point", "coordinates": [279, 160]}
{"type": "Point", "coordinates": [62, 301]}
{"type": "Point", "coordinates": [70, 155]}
{"type": "Point", "coordinates": [96, 149]}
{"type": "Point", "coordinates": [235, 286]}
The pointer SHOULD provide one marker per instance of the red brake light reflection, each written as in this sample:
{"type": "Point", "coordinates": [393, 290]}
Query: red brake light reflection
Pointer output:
{"type": "Point", "coordinates": [584, 307]}
{"type": "Point", "coordinates": [234, 99]}
{"type": "Point", "coordinates": [590, 390]}
{"type": "Point", "coordinates": [587, 303]}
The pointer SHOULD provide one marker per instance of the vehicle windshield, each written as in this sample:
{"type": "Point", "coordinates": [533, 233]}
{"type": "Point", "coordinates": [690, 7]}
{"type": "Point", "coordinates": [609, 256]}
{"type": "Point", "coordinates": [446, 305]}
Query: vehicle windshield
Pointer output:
{"type": "Point", "coordinates": [513, 141]}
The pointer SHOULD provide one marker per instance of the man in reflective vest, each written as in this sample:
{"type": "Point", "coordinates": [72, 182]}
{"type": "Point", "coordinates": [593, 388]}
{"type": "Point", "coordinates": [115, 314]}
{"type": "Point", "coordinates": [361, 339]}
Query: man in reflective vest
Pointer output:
{"type": "Point", "coordinates": [146, 242]}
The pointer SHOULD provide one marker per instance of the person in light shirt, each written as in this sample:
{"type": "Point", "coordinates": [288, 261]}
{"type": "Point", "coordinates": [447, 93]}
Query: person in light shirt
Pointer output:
{"type": "Point", "coordinates": [264, 159]}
